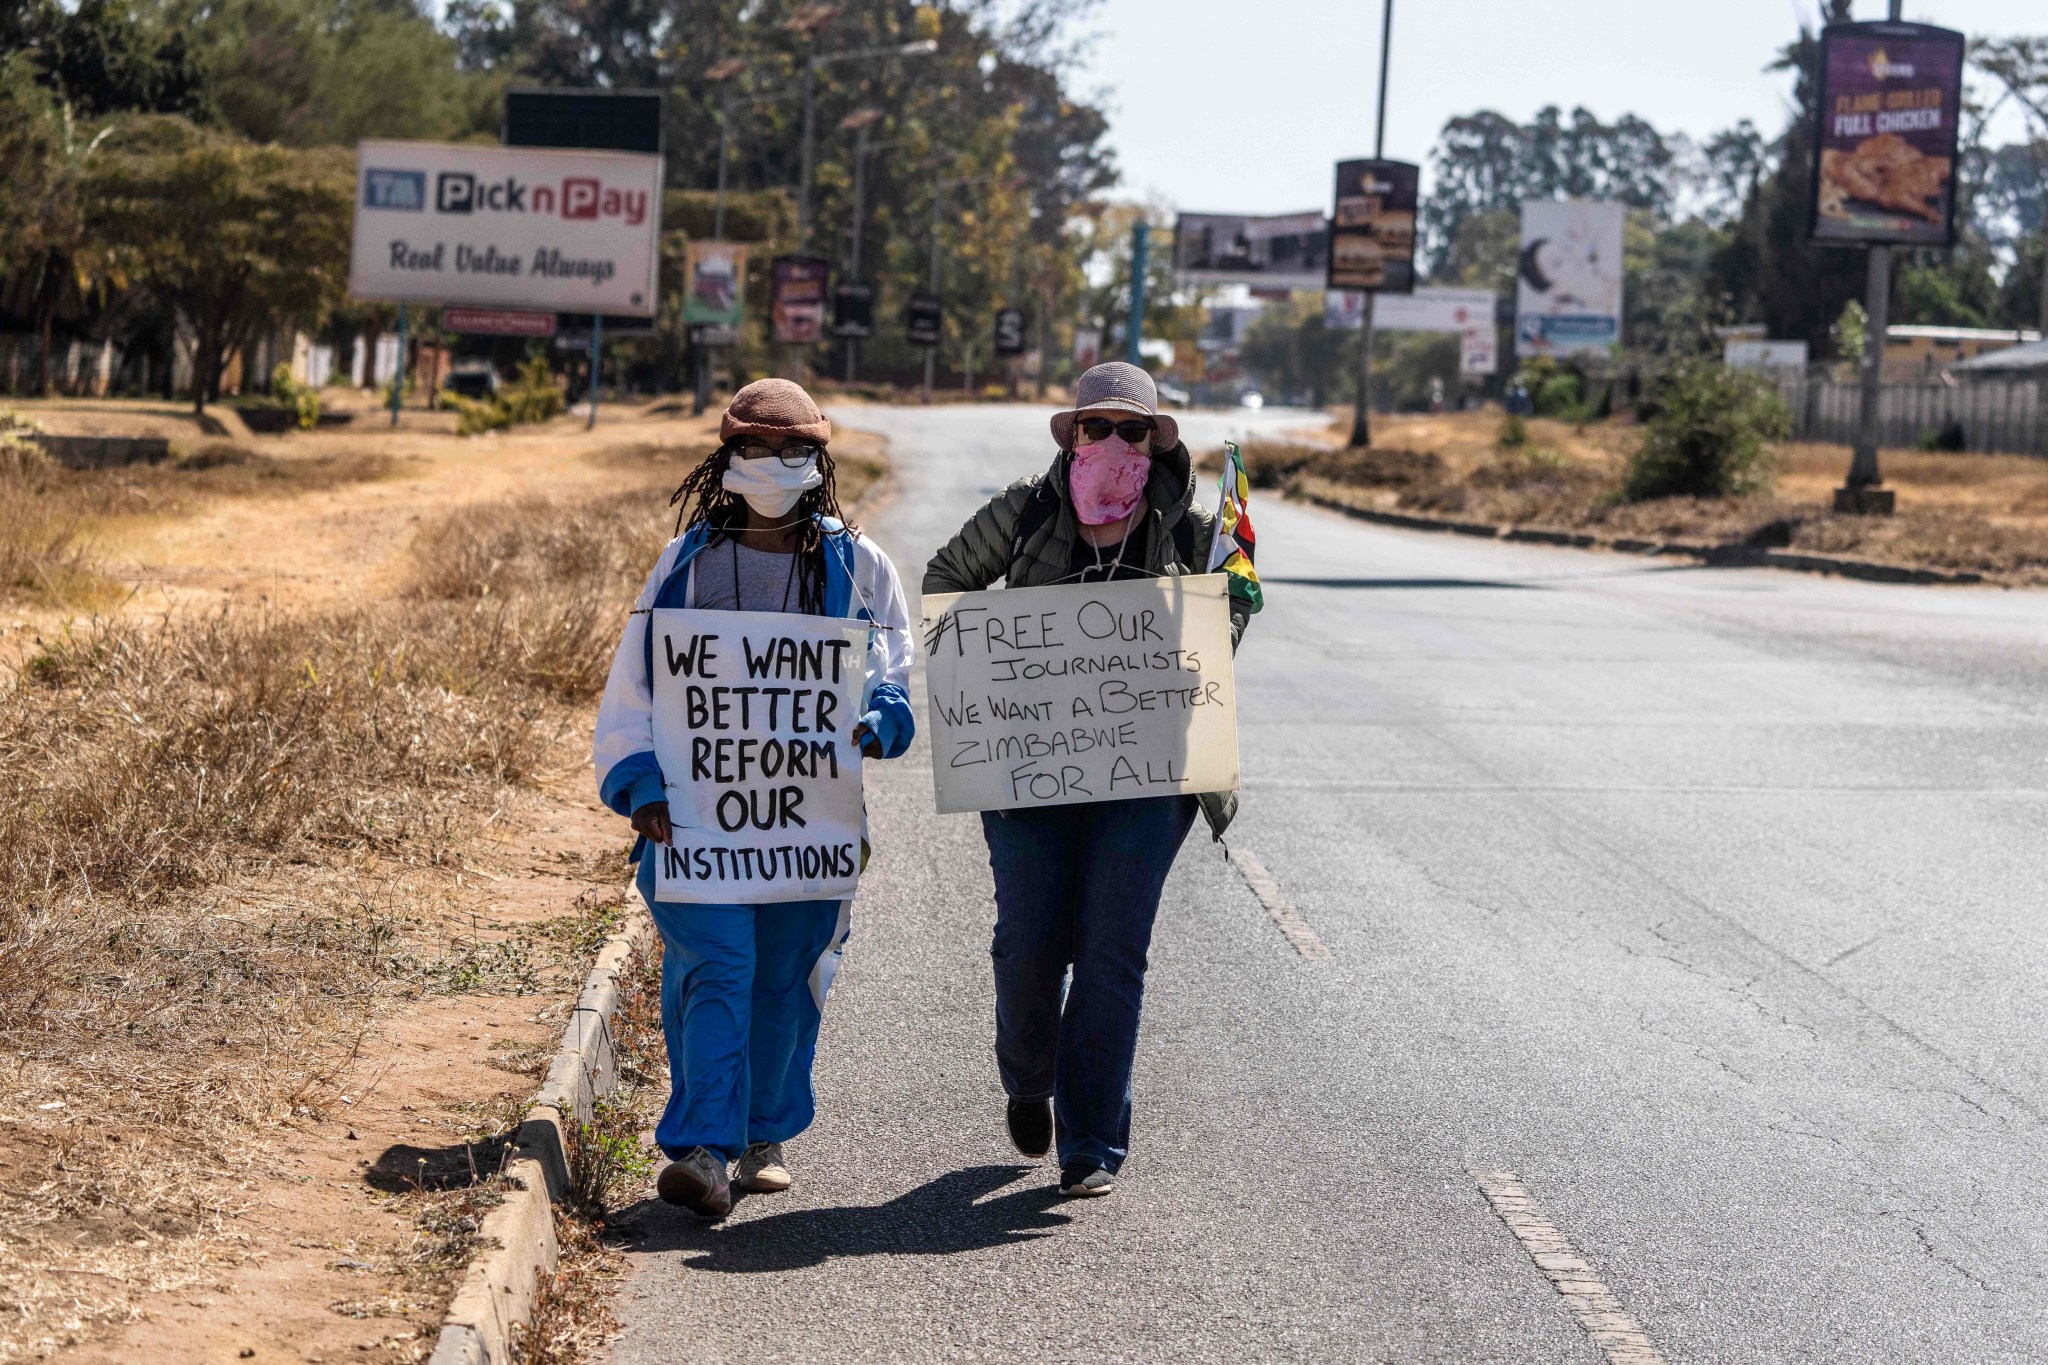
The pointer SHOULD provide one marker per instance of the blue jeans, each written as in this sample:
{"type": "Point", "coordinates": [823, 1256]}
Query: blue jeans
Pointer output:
{"type": "Point", "coordinates": [1078, 886]}
{"type": "Point", "coordinates": [742, 993]}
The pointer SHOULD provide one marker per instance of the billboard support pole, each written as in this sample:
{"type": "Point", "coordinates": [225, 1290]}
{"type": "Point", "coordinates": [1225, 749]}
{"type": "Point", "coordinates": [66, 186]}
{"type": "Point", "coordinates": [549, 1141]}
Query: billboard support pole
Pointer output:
{"type": "Point", "coordinates": [398, 379]}
{"type": "Point", "coordinates": [1361, 416]}
{"type": "Point", "coordinates": [596, 364]}
{"type": "Point", "coordinates": [1134, 332]}
{"type": "Point", "coordinates": [1864, 491]}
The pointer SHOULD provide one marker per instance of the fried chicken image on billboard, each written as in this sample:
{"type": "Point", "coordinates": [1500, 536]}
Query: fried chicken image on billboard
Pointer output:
{"type": "Point", "coordinates": [1887, 171]}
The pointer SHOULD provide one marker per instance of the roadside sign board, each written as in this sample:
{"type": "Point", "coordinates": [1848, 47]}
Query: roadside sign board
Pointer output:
{"type": "Point", "coordinates": [1372, 227]}
{"type": "Point", "coordinates": [853, 310]}
{"type": "Point", "coordinates": [1011, 325]}
{"type": "Point", "coordinates": [497, 322]}
{"type": "Point", "coordinates": [1568, 290]}
{"type": "Point", "coordinates": [716, 288]}
{"type": "Point", "coordinates": [922, 319]}
{"type": "Point", "coordinates": [796, 298]}
{"type": "Point", "coordinates": [1271, 251]}
{"type": "Point", "coordinates": [1478, 350]}
{"type": "Point", "coordinates": [714, 334]}
{"type": "Point", "coordinates": [507, 227]}
{"type": "Point", "coordinates": [1425, 310]}
{"type": "Point", "coordinates": [1087, 347]}
{"type": "Point", "coordinates": [1885, 153]}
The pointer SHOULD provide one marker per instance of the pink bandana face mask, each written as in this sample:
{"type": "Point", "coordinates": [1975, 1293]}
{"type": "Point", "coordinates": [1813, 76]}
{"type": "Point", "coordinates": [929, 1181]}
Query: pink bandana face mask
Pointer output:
{"type": "Point", "coordinates": [1107, 480]}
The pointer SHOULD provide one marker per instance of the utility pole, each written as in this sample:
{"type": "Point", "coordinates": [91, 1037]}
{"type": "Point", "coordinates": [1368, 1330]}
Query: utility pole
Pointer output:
{"type": "Point", "coordinates": [1134, 331]}
{"type": "Point", "coordinates": [1361, 417]}
{"type": "Point", "coordinates": [723, 73]}
{"type": "Point", "coordinates": [1864, 491]}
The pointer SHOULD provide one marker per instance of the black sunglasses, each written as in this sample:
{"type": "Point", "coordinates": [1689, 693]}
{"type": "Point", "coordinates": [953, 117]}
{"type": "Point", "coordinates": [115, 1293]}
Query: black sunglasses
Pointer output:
{"type": "Point", "coordinates": [1133, 431]}
{"type": "Point", "coordinates": [794, 454]}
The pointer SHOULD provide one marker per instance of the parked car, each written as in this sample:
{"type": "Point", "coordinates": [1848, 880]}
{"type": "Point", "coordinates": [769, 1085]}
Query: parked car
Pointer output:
{"type": "Point", "coordinates": [472, 379]}
{"type": "Point", "coordinates": [1251, 398]}
{"type": "Point", "coordinates": [1169, 393]}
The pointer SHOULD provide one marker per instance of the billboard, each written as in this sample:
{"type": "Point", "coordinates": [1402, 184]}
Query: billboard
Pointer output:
{"type": "Point", "coordinates": [1478, 351]}
{"type": "Point", "coordinates": [1425, 310]}
{"type": "Point", "coordinates": [507, 227]}
{"type": "Point", "coordinates": [1372, 227]}
{"type": "Point", "coordinates": [853, 310]}
{"type": "Point", "coordinates": [1273, 251]}
{"type": "Point", "coordinates": [716, 289]}
{"type": "Point", "coordinates": [922, 319]}
{"type": "Point", "coordinates": [796, 299]}
{"type": "Point", "coordinates": [1890, 109]}
{"type": "Point", "coordinates": [1087, 348]}
{"type": "Point", "coordinates": [1568, 286]}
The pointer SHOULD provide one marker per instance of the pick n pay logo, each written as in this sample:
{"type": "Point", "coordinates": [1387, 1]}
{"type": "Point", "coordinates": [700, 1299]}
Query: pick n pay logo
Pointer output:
{"type": "Point", "coordinates": [402, 190]}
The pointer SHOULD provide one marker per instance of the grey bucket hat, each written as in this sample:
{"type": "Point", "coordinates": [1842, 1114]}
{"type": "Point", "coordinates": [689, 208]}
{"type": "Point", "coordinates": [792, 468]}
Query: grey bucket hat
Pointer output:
{"type": "Point", "coordinates": [1117, 386]}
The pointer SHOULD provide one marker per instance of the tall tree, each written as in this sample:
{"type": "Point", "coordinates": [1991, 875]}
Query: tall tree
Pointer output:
{"type": "Point", "coordinates": [238, 238]}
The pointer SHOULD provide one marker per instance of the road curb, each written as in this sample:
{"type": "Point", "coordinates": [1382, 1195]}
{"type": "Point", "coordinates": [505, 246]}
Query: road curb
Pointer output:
{"type": "Point", "coordinates": [1727, 556]}
{"type": "Point", "coordinates": [517, 1247]}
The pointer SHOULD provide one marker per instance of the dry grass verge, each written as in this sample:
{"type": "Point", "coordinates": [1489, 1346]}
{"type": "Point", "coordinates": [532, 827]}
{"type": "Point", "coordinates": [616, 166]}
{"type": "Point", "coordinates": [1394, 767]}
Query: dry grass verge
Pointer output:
{"type": "Point", "coordinates": [221, 839]}
{"type": "Point", "coordinates": [1975, 513]}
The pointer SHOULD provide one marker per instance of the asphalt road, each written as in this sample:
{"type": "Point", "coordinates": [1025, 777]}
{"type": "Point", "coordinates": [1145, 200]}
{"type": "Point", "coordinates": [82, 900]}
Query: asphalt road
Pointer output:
{"type": "Point", "coordinates": [1710, 903]}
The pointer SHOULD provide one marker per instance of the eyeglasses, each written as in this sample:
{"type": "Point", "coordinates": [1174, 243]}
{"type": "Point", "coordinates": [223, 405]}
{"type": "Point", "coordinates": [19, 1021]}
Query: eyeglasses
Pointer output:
{"type": "Point", "coordinates": [1134, 431]}
{"type": "Point", "coordinates": [794, 454]}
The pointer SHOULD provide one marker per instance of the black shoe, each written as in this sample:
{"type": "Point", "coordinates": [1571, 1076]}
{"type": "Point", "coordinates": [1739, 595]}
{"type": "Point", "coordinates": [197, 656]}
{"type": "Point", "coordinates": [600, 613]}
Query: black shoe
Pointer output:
{"type": "Point", "coordinates": [1085, 1180]}
{"type": "Point", "coordinates": [1031, 1126]}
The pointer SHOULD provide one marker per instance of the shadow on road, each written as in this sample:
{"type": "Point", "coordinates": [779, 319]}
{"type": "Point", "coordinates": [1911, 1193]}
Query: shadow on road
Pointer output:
{"type": "Point", "coordinates": [946, 1216]}
{"type": "Point", "coordinates": [1395, 582]}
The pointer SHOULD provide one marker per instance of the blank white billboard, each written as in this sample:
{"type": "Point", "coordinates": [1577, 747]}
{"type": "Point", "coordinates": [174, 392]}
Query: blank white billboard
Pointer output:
{"type": "Point", "coordinates": [507, 227]}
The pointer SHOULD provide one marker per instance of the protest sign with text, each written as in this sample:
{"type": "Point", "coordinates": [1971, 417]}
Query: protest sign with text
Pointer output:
{"type": "Point", "coordinates": [1095, 692]}
{"type": "Point", "coordinates": [753, 720]}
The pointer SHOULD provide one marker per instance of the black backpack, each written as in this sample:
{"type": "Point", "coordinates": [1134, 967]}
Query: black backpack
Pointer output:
{"type": "Point", "coordinates": [1044, 505]}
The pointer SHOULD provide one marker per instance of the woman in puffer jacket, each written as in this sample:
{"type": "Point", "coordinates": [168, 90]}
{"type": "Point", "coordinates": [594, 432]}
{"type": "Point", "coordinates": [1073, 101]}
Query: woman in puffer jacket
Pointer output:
{"type": "Point", "coordinates": [743, 986]}
{"type": "Point", "coordinates": [1077, 886]}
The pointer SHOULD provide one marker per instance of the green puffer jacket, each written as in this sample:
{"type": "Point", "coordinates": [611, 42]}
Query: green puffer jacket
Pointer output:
{"type": "Point", "coordinates": [982, 552]}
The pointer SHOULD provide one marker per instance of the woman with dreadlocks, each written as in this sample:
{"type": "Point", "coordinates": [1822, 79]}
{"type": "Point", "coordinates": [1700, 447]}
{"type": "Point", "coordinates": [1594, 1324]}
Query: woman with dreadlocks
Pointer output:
{"type": "Point", "coordinates": [742, 986]}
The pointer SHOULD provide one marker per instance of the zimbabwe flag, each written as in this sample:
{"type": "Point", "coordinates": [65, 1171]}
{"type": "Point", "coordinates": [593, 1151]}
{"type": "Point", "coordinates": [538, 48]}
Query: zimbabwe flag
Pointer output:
{"type": "Point", "coordinates": [1236, 542]}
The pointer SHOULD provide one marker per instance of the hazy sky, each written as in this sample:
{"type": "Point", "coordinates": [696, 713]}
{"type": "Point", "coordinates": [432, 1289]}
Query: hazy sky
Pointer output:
{"type": "Point", "coordinates": [1243, 105]}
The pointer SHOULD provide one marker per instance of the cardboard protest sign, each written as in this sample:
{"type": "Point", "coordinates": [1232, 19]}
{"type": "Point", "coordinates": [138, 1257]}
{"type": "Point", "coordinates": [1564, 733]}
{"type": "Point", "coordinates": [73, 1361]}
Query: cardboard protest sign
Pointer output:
{"type": "Point", "coordinates": [753, 720]}
{"type": "Point", "coordinates": [1094, 692]}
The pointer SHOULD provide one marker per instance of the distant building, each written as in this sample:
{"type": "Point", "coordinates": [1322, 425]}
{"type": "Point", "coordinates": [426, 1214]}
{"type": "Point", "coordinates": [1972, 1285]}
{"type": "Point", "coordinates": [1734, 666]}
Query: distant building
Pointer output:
{"type": "Point", "coordinates": [1915, 352]}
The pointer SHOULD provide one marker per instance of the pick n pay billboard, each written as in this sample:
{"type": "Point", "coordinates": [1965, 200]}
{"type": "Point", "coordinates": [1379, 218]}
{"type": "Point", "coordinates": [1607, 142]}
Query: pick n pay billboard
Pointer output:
{"type": "Point", "coordinates": [507, 227]}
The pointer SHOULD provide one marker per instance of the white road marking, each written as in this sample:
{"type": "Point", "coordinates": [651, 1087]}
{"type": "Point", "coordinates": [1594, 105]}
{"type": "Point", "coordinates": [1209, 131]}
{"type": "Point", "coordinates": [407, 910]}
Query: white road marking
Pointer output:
{"type": "Point", "coordinates": [1292, 926]}
{"type": "Point", "coordinates": [1614, 1330]}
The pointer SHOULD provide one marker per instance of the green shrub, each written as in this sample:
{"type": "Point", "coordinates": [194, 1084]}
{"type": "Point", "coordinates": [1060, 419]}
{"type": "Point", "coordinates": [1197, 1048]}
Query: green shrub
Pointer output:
{"type": "Point", "coordinates": [303, 398]}
{"type": "Point", "coordinates": [1561, 395]}
{"type": "Point", "coordinates": [533, 397]}
{"type": "Point", "coordinates": [1710, 435]}
{"type": "Point", "coordinates": [1514, 432]}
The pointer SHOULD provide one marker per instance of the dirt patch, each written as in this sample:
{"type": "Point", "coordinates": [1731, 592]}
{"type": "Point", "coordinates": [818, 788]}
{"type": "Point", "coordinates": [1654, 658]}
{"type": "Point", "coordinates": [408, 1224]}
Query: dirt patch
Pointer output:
{"type": "Point", "coordinates": [1985, 514]}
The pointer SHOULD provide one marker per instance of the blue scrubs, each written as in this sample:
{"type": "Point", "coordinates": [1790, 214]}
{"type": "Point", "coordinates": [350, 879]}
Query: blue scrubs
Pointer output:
{"type": "Point", "coordinates": [742, 993]}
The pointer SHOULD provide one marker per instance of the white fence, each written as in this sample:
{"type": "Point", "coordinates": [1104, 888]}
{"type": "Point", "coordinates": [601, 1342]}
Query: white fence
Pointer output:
{"type": "Point", "coordinates": [1994, 415]}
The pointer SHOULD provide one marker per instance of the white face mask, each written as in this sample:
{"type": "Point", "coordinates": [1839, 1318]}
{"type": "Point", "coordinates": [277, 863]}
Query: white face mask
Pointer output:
{"type": "Point", "coordinates": [771, 487]}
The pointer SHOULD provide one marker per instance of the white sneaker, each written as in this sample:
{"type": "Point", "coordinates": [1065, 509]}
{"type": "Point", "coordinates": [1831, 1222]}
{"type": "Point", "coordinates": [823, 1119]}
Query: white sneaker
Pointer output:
{"type": "Point", "coordinates": [761, 1170]}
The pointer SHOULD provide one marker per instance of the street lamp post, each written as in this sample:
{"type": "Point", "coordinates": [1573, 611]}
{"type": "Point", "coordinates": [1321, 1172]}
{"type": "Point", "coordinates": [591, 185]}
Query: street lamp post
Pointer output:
{"type": "Point", "coordinates": [939, 187]}
{"type": "Point", "coordinates": [813, 62]}
{"type": "Point", "coordinates": [1361, 417]}
{"type": "Point", "coordinates": [1863, 490]}
{"type": "Point", "coordinates": [860, 121]}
